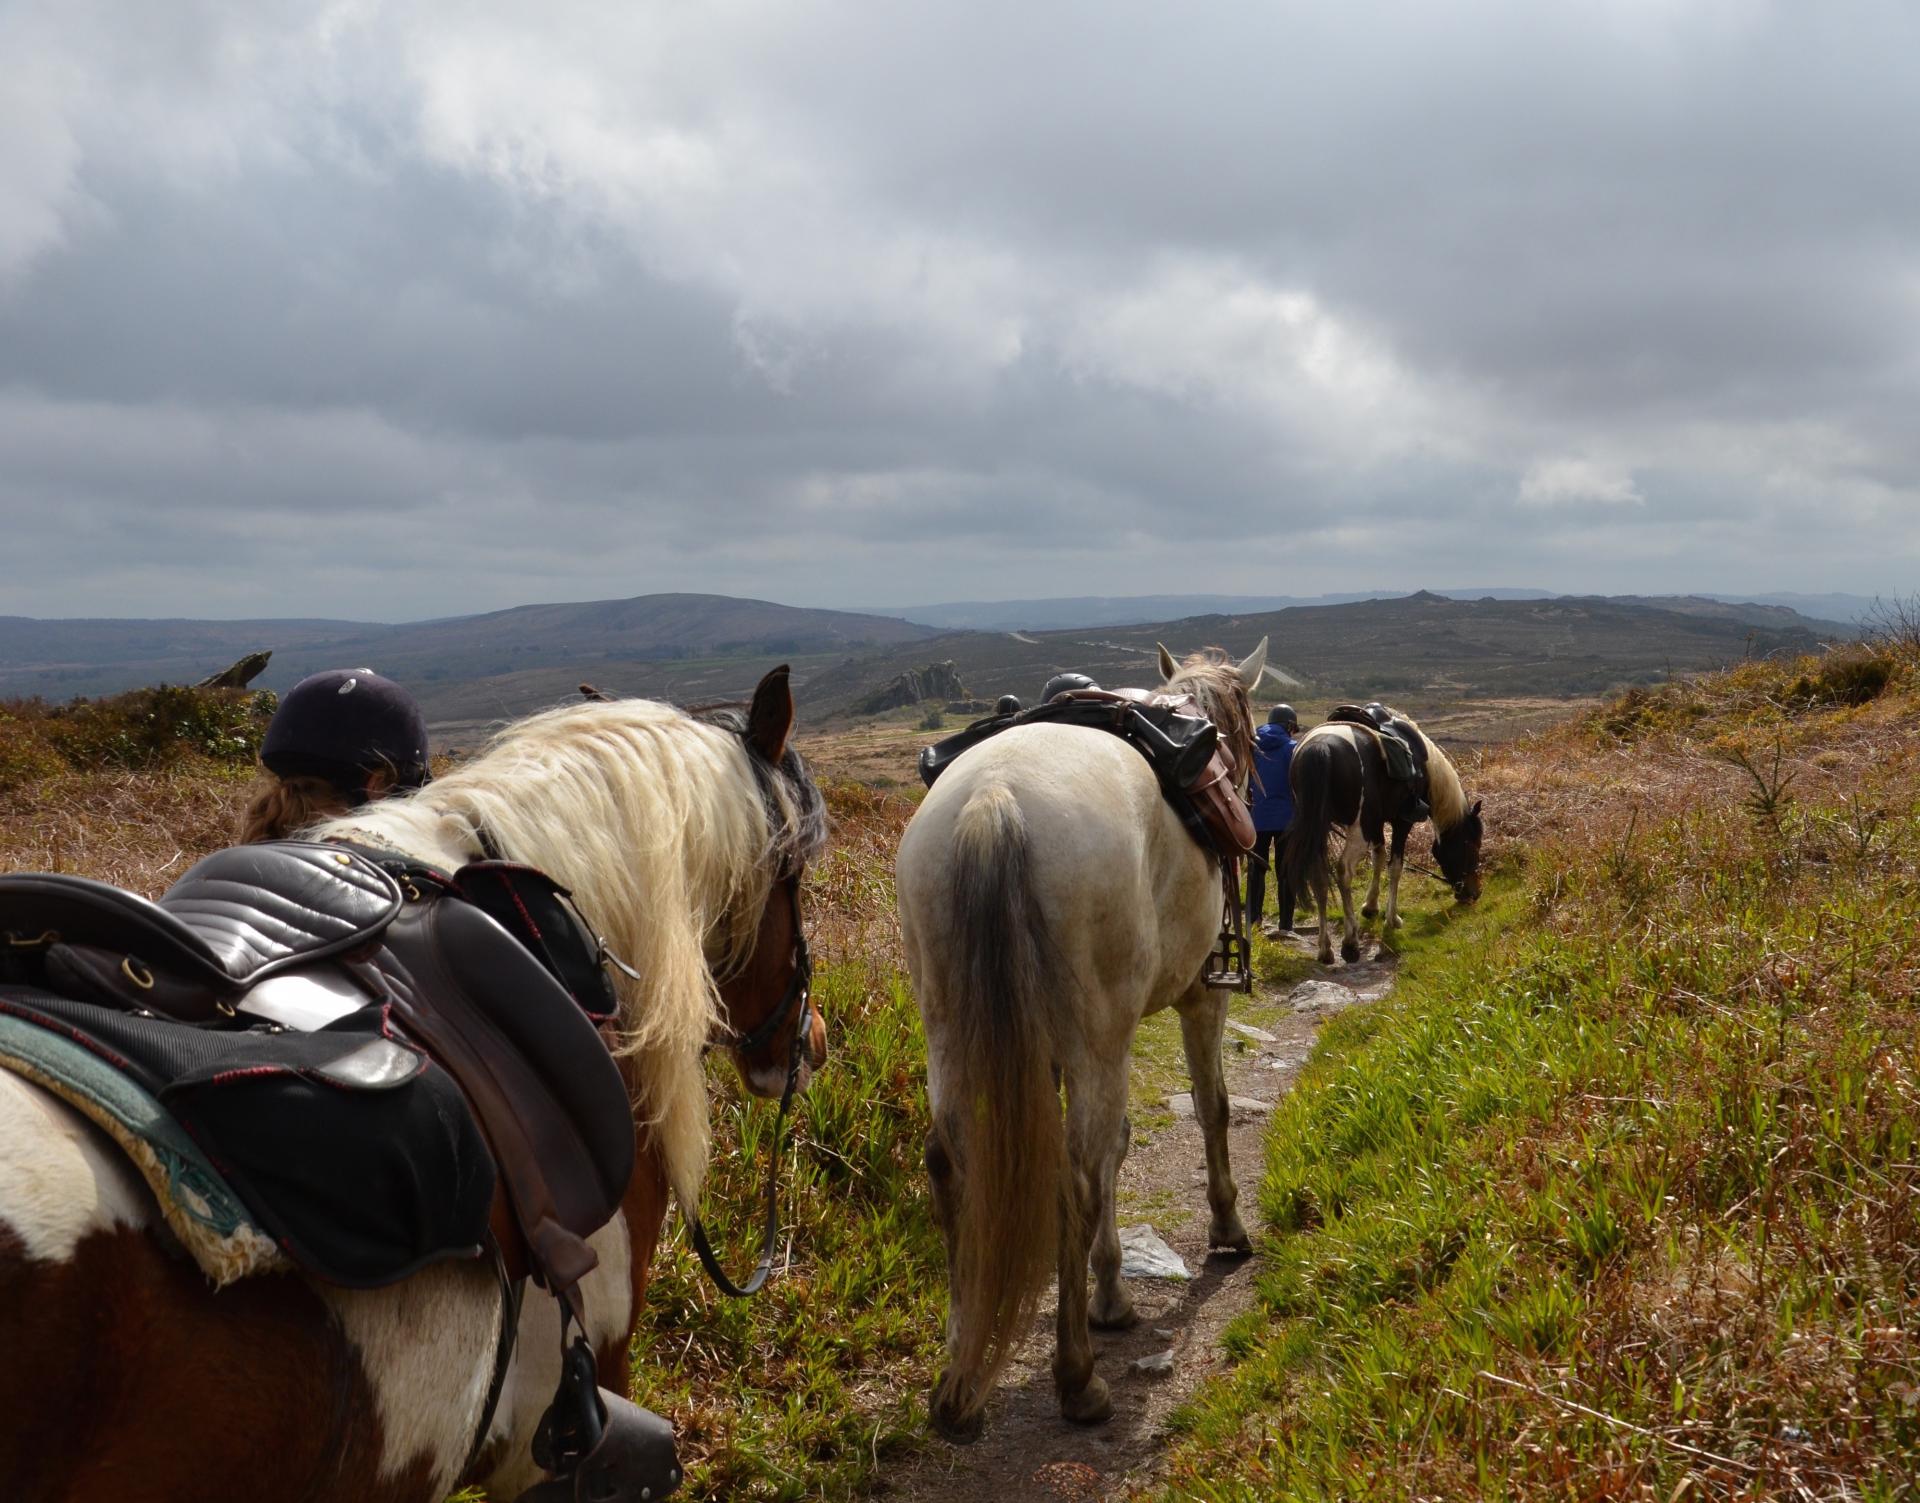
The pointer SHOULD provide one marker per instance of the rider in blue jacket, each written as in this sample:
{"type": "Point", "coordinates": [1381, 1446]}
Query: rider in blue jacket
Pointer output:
{"type": "Point", "coordinates": [1271, 797]}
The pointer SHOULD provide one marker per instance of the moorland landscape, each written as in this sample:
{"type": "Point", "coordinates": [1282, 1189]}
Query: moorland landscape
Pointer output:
{"type": "Point", "coordinates": [1610, 1175]}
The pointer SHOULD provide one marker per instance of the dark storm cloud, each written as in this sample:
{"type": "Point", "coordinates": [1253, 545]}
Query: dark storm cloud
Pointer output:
{"type": "Point", "coordinates": [331, 309]}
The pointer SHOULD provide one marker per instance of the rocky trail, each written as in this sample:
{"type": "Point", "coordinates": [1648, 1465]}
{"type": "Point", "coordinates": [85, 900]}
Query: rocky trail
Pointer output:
{"type": "Point", "coordinates": [1028, 1453]}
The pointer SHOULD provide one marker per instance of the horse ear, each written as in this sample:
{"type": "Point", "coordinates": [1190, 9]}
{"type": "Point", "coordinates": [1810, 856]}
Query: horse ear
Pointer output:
{"type": "Point", "coordinates": [1474, 812]}
{"type": "Point", "coordinates": [1167, 665]}
{"type": "Point", "coordinates": [1253, 665]}
{"type": "Point", "coordinates": [770, 717]}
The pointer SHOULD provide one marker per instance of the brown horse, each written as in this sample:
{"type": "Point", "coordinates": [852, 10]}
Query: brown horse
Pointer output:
{"type": "Point", "coordinates": [125, 1377]}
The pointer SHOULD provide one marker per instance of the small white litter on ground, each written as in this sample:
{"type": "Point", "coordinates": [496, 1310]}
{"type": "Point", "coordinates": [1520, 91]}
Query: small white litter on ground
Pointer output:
{"type": "Point", "coordinates": [1144, 1256]}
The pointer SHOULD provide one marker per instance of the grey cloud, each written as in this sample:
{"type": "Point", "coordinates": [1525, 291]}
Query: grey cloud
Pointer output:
{"type": "Point", "coordinates": [368, 312]}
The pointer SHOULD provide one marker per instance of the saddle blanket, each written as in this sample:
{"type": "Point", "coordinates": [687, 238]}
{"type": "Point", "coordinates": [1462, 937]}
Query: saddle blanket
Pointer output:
{"type": "Point", "coordinates": [342, 1151]}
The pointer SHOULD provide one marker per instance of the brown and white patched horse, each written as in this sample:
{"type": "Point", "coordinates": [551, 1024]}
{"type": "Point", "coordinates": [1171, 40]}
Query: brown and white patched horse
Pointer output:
{"type": "Point", "coordinates": [1341, 787]}
{"type": "Point", "coordinates": [124, 1378]}
{"type": "Point", "coordinates": [1049, 899]}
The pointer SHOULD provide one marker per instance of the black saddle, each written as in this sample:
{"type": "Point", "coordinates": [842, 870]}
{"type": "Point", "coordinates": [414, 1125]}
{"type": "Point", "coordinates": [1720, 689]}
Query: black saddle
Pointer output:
{"type": "Point", "coordinates": [1177, 746]}
{"type": "Point", "coordinates": [470, 1102]}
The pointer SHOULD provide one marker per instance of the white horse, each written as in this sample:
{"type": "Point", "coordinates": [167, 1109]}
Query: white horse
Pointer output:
{"type": "Point", "coordinates": [1050, 899]}
{"type": "Point", "coordinates": [128, 1378]}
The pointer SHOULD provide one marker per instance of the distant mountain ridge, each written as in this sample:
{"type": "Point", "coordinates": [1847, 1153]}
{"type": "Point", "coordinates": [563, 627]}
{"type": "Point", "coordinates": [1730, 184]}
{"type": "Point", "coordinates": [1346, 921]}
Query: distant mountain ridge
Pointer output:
{"type": "Point", "coordinates": [471, 671]}
{"type": "Point", "coordinates": [60, 659]}
{"type": "Point", "coordinates": [1417, 649]}
{"type": "Point", "coordinates": [1054, 614]}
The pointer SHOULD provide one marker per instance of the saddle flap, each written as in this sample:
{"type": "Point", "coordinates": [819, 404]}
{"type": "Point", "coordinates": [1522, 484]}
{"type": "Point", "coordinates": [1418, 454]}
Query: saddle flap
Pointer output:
{"type": "Point", "coordinates": [263, 909]}
{"type": "Point", "coordinates": [531, 1063]}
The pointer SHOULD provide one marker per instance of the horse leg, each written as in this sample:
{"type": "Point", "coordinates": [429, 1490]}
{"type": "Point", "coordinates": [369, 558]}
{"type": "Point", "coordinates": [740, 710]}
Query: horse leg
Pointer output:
{"type": "Point", "coordinates": [1093, 1128]}
{"type": "Point", "coordinates": [1394, 868]}
{"type": "Point", "coordinates": [1112, 1308]}
{"type": "Point", "coordinates": [1318, 880]}
{"type": "Point", "coordinates": [1343, 873]}
{"type": "Point", "coordinates": [1372, 907]}
{"type": "Point", "coordinates": [1203, 1023]}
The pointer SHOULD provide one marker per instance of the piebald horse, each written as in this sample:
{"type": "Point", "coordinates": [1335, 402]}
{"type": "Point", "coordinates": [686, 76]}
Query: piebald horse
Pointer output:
{"type": "Point", "coordinates": [124, 1377]}
{"type": "Point", "coordinates": [1050, 899]}
{"type": "Point", "coordinates": [1341, 786]}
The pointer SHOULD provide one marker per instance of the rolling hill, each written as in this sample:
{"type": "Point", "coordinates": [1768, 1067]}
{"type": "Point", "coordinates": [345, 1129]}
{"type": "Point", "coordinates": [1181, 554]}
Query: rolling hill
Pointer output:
{"type": "Point", "coordinates": [676, 636]}
{"type": "Point", "coordinates": [1419, 648]}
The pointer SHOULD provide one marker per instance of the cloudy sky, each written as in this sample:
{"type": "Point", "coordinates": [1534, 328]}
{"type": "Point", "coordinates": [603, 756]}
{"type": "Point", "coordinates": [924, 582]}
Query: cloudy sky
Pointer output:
{"type": "Point", "coordinates": [390, 311]}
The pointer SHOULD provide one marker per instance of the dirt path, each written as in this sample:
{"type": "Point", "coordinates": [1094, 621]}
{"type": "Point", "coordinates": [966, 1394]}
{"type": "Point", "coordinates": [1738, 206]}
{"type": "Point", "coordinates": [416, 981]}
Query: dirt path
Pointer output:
{"type": "Point", "coordinates": [1029, 1454]}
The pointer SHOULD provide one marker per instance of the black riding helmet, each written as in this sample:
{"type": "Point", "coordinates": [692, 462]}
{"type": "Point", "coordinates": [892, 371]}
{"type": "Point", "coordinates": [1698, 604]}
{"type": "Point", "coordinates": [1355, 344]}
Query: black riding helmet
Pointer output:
{"type": "Point", "coordinates": [1065, 683]}
{"type": "Point", "coordinates": [343, 725]}
{"type": "Point", "coordinates": [1007, 704]}
{"type": "Point", "coordinates": [1283, 715]}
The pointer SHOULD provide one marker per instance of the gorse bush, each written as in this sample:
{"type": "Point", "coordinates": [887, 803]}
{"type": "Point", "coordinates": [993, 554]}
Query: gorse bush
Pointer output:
{"type": "Point", "coordinates": [143, 730]}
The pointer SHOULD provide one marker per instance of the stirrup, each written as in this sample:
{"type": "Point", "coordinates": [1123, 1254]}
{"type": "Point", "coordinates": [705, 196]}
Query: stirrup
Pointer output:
{"type": "Point", "coordinates": [600, 1447]}
{"type": "Point", "coordinates": [1231, 964]}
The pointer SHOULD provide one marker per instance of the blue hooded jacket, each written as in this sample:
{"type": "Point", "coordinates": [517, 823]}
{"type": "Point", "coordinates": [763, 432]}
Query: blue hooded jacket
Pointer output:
{"type": "Point", "coordinates": [1272, 800]}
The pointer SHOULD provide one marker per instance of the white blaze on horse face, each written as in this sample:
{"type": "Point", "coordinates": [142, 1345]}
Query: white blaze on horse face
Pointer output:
{"type": "Point", "coordinates": [61, 1179]}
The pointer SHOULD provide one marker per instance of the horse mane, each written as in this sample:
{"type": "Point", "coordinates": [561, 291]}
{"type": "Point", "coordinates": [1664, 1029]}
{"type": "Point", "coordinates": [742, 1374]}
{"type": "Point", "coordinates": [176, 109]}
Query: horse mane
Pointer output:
{"type": "Point", "coordinates": [1213, 678]}
{"type": "Point", "coordinates": [1445, 796]}
{"type": "Point", "coordinates": [668, 833]}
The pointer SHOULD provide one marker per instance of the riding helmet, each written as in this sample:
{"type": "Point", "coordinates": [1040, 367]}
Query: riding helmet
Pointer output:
{"type": "Point", "coordinates": [344, 724]}
{"type": "Point", "coordinates": [1065, 683]}
{"type": "Point", "coordinates": [1283, 715]}
{"type": "Point", "coordinates": [1007, 704]}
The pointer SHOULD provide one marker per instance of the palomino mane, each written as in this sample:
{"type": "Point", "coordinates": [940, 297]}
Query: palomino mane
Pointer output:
{"type": "Point", "coordinates": [1212, 677]}
{"type": "Point", "coordinates": [668, 838]}
{"type": "Point", "coordinates": [1444, 793]}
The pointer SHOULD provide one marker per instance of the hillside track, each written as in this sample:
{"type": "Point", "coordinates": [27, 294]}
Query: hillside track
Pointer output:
{"type": "Point", "coordinates": [1029, 1454]}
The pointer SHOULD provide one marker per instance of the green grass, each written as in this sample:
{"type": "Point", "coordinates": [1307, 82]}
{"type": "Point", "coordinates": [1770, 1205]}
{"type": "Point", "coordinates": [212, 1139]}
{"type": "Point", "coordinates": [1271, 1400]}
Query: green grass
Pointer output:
{"type": "Point", "coordinates": [804, 1390]}
{"type": "Point", "coordinates": [1617, 1195]}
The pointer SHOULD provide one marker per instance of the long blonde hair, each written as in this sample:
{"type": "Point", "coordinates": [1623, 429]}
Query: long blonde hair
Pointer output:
{"type": "Point", "coordinates": [667, 837]}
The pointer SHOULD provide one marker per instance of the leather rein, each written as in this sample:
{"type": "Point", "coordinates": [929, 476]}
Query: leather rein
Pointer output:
{"type": "Point", "coordinates": [799, 994]}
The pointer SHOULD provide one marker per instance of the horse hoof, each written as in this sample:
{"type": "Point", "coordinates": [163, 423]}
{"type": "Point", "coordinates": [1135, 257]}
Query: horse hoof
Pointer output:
{"type": "Point", "coordinates": [1091, 1405]}
{"type": "Point", "coordinates": [951, 1421]}
{"type": "Point", "coordinates": [1326, 955]}
{"type": "Point", "coordinates": [1370, 911]}
{"type": "Point", "coordinates": [1349, 951]}
{"type": "Point", "coordinates": [1232, 1237]}
{"type": "Point", "coordinates": [1121, 1316]}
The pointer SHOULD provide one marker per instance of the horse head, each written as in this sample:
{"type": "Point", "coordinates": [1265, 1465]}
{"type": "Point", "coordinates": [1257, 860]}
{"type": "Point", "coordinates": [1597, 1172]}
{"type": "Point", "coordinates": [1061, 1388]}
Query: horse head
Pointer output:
{"type": "Point", "coordinates": [774, 1032]}
{"type": "Point", "coordinates": [1224, 689]}
{"type": "Point", "coordinates": [1457, 850]}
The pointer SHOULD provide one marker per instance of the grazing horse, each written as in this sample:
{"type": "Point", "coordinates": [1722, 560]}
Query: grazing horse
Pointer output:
{"type": "Point", "coordinates": [127, 1378]}
{"type": "Point", "coordinates": [1341, 785]}
{"type": "Point", "coordinates": [1050, 899]}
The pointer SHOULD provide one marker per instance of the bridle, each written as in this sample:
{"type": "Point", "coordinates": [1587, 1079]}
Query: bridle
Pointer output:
{"type": "Point", "coordinates": [799, 994]}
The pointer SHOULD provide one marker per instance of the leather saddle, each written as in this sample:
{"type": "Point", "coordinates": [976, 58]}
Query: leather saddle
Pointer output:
{"type": "Point", "coordinates": [529, 1061]}
{"type": "Point", "coordinates": [487, 972]}
{"type": "Point", "coordinates": [1403, 747]}
{"type": "Point", "coordinates": [1172, 732]}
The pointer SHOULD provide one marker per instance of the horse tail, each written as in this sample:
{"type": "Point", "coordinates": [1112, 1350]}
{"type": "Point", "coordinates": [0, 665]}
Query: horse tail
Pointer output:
{"type": "Point", "coordinates": [1305, 853]}
{"type": "Point", "coordinates": [998, 1080]}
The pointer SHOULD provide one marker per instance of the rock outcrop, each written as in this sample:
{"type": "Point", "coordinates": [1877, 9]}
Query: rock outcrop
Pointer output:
{"type": "Point", "coordinates": [939, 681]}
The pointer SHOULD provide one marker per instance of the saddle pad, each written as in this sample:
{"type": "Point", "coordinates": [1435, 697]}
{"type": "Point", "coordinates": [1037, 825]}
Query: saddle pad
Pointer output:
{"type": "Point", "coordinates": [199, 1206]}
{"type": "Point", "coordinates": [352, 1151]}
